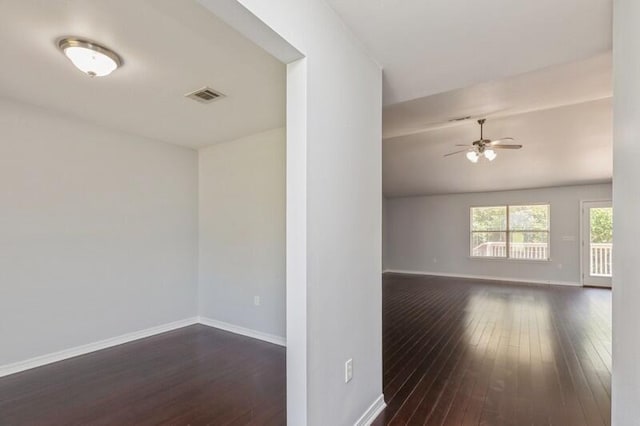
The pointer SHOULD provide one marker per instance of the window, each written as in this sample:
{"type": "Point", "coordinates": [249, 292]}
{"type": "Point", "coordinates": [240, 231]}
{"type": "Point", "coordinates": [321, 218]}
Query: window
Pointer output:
{"type": "Point", "coordinates": [510, 232]}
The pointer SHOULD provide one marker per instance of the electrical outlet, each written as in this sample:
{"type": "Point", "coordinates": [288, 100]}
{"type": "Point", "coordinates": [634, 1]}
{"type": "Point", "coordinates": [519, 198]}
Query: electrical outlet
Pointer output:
{"type": "Point", "coordinates": [348, 370]}
{"type": "Point", "coordinates": [256, 300]}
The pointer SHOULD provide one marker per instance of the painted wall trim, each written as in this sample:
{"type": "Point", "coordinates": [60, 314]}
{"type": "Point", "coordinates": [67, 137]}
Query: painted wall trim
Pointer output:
{"type": "Point", "coordinates": [39, 361]}
{"type": "Point", "coordinates": [484, 277]}
{"type": "Point", "coordinates": [254, 334]}
{"type": "Point", "coordinates": [372, 412]}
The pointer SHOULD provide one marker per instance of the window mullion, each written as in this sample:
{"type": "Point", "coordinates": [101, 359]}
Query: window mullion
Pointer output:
{"type": "Point", "coordinates": [508, 235]}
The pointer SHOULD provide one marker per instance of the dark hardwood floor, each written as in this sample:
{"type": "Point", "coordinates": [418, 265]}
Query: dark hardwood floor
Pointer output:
{"type": "Point", "coordinates": [467, 352]}
{"type": "Point", "coordinates": [193, 376]}
{"type": "Point", "coordinates": [455, 352]}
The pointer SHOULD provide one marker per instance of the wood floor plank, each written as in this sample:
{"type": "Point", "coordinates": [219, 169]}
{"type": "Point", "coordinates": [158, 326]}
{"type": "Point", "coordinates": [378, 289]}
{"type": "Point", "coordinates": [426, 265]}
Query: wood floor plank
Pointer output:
{"type": "Point", "coordinates": [192, 376]}
{"type": "Point", "coordinates": [455, 352]}
{"type": "Point", "coordinates": [470, 352]}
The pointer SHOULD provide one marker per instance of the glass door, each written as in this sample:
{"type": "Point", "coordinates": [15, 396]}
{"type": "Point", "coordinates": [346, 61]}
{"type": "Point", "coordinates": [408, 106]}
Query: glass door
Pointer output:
{"type": "Point", "coordinates": [597, 243]}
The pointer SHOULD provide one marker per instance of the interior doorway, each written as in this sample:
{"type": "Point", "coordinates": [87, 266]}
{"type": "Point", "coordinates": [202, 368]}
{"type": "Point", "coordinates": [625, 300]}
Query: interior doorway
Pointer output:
{"type": "Point", "coordinates": [597, 243]}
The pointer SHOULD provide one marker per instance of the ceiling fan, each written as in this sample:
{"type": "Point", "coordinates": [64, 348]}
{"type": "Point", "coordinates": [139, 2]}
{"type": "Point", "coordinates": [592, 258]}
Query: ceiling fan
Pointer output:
{"type": "Point", "coordinates": [485, 147]}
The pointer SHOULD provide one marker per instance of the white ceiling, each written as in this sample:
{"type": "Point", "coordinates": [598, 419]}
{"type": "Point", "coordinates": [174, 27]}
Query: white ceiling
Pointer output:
{"type": "Point", "coordinates": [565, 84]}
{"type": "Point", "coordinates": [428, 47]}
{"type": "Point", "coordinates": [562, 146]}
{"type": "Point", "coordinates": [170, 47]}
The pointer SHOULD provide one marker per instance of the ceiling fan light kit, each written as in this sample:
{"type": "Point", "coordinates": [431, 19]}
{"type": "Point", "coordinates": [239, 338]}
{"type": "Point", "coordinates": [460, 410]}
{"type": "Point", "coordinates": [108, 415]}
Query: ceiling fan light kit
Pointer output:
{"type": "Point", "coordinates": [490, 154]}
{"type": "Point", "coordinates": [484, 148]}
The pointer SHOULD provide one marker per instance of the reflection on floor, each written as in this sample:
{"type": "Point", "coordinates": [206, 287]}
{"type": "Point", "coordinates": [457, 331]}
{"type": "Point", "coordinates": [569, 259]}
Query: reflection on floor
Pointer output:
{"type": "Point", "coordinates": [193, 376]}
{"type": "Point", "coordinates": [479, 352]}
{"type": "Point", "coordinates": [455, 352]}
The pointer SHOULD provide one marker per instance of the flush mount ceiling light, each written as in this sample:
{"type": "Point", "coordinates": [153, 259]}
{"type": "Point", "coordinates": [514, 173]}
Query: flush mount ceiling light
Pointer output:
{"type": "Point", "coordinates": [89, 57]}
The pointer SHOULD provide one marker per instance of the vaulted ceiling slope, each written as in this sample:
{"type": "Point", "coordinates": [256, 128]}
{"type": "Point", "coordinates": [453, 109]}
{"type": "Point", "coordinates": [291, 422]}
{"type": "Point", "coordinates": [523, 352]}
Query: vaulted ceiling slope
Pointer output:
{"type": "Point", "coordinates": [552, 87]}
{"type": "Point", "coordinates": [562, 146]}
{"type": "Point", "coordinates": [428, 47]}
{"type": "Point", "coordinates": [169, 47]}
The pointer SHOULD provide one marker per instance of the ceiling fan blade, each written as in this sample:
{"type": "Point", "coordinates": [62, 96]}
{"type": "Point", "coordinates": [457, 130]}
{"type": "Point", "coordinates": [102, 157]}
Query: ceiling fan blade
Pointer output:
{"type": "Point", "coordinates": [459, 144]}
{"type": "Point", "coordinates": [506, 146]}
{"type": "Point", "coordinates": [456, 152]}
{"type": "Point", "coordinates": [500, 141]}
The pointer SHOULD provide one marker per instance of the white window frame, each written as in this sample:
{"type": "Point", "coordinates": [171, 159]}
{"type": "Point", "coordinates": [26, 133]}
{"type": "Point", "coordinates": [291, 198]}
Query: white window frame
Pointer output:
{"type": "Point", "coordinates": [508, 232]}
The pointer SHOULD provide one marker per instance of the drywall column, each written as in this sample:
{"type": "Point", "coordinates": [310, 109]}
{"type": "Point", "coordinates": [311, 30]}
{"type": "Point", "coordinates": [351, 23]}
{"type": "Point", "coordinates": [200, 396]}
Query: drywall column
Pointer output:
{"type": "Point", "coordinates": [626, 208]}
{"type": "Point", "coordinates": [297, 243]}
{"type": "Point", "coordinates": [334, 174]}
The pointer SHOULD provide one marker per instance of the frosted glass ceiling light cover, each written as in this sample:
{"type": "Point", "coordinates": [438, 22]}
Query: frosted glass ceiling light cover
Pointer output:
{"type": "Point", "coordinates": [89, 57]}
{"type": "Point", "coordinates": [490, 154]}
{"type": "Point", "coordinates": [473, 156]}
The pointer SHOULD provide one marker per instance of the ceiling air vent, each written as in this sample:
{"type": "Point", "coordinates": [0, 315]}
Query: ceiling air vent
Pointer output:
{"type": "Point", "coordinates": [453, 120]}
{"type": "Point", "coordinates": [205, 95]}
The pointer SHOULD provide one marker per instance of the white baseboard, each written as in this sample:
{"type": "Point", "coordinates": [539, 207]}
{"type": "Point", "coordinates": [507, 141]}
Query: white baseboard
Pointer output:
{"type": "Point", "coordinates": [372, 412]}
{"type": "Point", "coordinates": [8, 369]}
{"type": "Point", "coordinates": [483, 277]}
{"type": "Point", "coordinates": [39, 361]}
{"type": "Point", "coordinates": [266, 337]}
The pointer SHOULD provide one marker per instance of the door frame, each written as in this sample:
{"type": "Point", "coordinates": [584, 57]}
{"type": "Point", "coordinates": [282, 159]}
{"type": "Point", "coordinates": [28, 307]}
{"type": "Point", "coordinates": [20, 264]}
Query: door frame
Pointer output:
{"type": "Point", "coordinates": [583, 240]}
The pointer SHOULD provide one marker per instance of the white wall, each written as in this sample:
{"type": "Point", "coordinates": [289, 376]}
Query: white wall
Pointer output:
{"type": "Point", "coordinates": [431, 233]}
{"type": "Point", "coordinates": [626, 211]}
{"type": "Point", "coordinates": [98, 233]}
{"type": "Point", "coordinates": [242, 232]}
{"type": "Point", "coordinates": [385, 234]}
{"type": "Point", "coordinates": [334, 99]}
